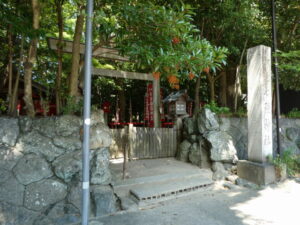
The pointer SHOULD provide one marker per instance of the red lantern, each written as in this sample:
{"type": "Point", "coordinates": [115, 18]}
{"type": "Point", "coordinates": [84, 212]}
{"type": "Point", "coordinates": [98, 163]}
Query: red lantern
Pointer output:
{"type": "Point", "coordinates": [106, 107]}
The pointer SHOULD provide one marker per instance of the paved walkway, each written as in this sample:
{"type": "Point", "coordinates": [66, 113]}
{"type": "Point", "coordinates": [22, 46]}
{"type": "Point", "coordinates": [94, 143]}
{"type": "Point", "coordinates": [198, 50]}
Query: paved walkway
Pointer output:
{"type": "Point", "coordinates": [276, 205]}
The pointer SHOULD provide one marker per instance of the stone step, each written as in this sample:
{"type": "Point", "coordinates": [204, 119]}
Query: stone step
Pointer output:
{"type": "Point", "coordinates": [145, 194]}
{"type": "Point", "coordinates": [122, 187]}
{"type": "Point", "coordinates": [128, 204]}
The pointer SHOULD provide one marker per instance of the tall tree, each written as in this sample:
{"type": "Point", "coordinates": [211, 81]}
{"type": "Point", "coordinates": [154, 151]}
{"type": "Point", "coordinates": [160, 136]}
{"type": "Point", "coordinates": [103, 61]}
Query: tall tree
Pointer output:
{"type": "Point", "coordinates": [30, 60]}
{"type": "Point", "coordinates": [73, 80]}
{"type": "Point", "coordinates": [10, 66]}
{"type": "Point", "coordinates": [60, 25]}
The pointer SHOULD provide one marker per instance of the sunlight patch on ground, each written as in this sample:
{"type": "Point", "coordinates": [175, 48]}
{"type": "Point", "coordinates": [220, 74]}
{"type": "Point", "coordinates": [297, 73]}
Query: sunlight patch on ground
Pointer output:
{"type": "Point", "coordinates": [116, 161]}
{"type": "Point", "coordinates": [273, 205]}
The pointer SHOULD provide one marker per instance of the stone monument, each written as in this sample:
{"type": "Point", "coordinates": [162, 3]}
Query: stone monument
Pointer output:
{"type": "Point", "coordinates": [259, 78]}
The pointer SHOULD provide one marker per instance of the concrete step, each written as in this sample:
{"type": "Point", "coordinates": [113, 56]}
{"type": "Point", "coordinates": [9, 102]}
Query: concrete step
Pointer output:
{"type": "Point", "coordinates": [145, 194]}
{"type": "Point", "coordinates": [125, 185]}
{"type": "Point", "coordinates": [128, 204]}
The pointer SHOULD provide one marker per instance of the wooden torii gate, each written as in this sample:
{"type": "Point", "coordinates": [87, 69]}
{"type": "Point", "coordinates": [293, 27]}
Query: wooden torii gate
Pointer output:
{"type": "Point", "coordinates": [113, 54]}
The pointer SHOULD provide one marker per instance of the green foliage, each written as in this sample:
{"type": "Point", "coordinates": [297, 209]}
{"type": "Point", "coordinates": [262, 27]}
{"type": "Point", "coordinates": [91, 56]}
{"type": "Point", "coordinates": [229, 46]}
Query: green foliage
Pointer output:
{"type": "Point", "coordinates": [294, 113]}
{"type": "Point", "coordinates": [289, 63]}
{"type": "Point", "coordinates": [3, 106]}
{"type": "Point", "coordinates": [216, 109]}
{"type": "Point", "coordinates": [73, 106]}
{"type": "Point", "coordinates": [227, 23]}
{"type": "Point", "coordinates": [163, 39]}
{"type": "Point", "coordinates": [241, 112]}
{"type": "Point", "coordinates": [288, 159]}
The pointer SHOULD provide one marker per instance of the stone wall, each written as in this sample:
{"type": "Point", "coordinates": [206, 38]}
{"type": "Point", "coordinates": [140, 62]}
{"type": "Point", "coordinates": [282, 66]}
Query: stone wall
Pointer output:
{"type": "Point", "coordinates": [40, 170]}
{"type": "Point", "coordinates": [217, 142]}
{"type": "Point", "coordinates": [237, 128]}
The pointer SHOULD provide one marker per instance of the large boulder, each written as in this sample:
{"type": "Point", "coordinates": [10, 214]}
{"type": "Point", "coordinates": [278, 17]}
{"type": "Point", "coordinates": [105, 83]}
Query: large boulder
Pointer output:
{"type": "Point", "coordinates": [9, 156]}
{"type": "Point", "coordinates": [184, 150]}
{"type": "Point", "coordinates": [9, 131]}
{"type": "Point", "coordinates": [71, 143]}
{"type": "Point", "coordinates": [68, 165]}
{"type": "Point", "coordinates": [237, 129]}
{"type": "Point", "coordinates": [60, 214]}
{"type": "Point", "coordinates": [222, 147]}
{"type": "Point", "coordinates": [190, 125]}
{"type": "Point", "coordinates": [32, 168]}
{"type": "Point", "coordinates": [43, 193]}
{"type": "Point", "coordinates": [67, 125]}
{"type": "Point", "coordinates": [104, 199]}
{"type": "Point", "coordinates": [74, 195]}
{"type": "Point", "coordinates": [195, 154]}
{"type": "Point", "coordinates": [100, 167]}
{"type": "Point", "coordinates": [292, 133]}
{"type": "Point", "coordinates": [4, 175]}
{"type": "Point", "coordinates": [207, 121]}
{"type": "Point", "coordinates": [11, 191]}
{"type": "Point", "coordinates": [34, 142]}
{"type": "Point", "coordinates": [25, 123]}
{"type": "Point", "coordinates": [100, 136]}
{"type": "Point", "coordinates": [199, 154]}
{"type": "Point", "coordinates": [219, 171]}
{"type": "Point", "coordinates": [45, 126]}
{"type": "Point", "coordinates": [97, 117]}
{"type": "Point", "coordinates": [16, 215]}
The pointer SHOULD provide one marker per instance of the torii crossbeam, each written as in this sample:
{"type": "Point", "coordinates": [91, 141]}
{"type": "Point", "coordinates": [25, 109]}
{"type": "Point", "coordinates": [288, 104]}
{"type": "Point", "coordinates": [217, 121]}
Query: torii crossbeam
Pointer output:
{"type": "Point", "coordinates": [113, 54]}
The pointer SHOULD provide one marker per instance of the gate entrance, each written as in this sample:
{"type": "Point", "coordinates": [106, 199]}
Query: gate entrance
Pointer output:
{"type": "Point", "coordinates": [143, 142]}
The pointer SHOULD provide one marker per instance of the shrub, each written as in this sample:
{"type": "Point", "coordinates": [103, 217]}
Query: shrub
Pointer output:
{"type": "Point", "coordinates": [216, 109]}
{"type": "Point", "coordinates": [294, 113]}
{"type": "Point", "coordinates": [289, 159]}
{"type": "Point", "coordinates": [73, 106]}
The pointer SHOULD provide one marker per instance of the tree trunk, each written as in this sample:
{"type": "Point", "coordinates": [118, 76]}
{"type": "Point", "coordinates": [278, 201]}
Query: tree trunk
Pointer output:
{"type": "Point", "coordinates": [14, 98]}
{"type": "Point", "coordinates": [31, 59]}
{"type": "Point", "coordinates": [73, 85]}
{"type": "Point", "coordinates": [59, 54]}
{"type": "Point", "coordinates": [212, 90]}
{"type": "Point", "coordinates": [10, 66]}
{"type": "Point", "coordinates": [237, 88]}
{"type": "Point", "coordinates": [197, 97]}
{"type": "Point", "coordinates": [237, 85]}
{"type": "Point", "coordinates": [223, 90]}
{"type": "Point", "coordinates": [230, 80]}
{"type": "Point", "coordinates": [211, 81]}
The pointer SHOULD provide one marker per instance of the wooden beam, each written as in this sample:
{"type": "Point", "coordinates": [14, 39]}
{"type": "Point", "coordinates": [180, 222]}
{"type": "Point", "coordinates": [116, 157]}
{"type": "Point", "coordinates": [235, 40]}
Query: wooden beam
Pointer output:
{"type": "Point", "coordinates": [101, 52]}
{"type": "Point", "coordinates": [122, 74]}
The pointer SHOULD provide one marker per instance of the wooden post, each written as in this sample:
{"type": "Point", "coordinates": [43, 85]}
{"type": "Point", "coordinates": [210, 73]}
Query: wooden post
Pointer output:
{"type": "Point", "coordinates": [156, 102]}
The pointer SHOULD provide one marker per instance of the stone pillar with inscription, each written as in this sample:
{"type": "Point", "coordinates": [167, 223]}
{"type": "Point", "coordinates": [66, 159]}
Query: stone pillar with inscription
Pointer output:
{"type": "Point", "coordinates": [259, 81]}
{"type": "Point", "coordinates": [259, 78]}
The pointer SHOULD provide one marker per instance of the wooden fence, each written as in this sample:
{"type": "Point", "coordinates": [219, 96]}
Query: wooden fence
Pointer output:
{"type": "Point", "coordinates": [144, 142]}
